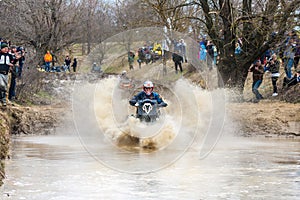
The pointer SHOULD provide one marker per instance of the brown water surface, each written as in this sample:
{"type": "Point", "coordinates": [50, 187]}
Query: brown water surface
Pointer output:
{"type": "Point", "coordinates": [58, 167]}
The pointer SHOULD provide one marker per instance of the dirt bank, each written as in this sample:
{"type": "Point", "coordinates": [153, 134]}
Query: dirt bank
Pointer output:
{"type": "Point", "coordinates": [269, 118]}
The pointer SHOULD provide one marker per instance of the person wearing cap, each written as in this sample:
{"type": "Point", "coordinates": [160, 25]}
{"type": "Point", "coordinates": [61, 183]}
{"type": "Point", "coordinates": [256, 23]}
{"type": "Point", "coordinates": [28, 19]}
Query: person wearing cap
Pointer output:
{"type": "Point", "coordinates": [5, 67]}
{"type": "Point", "coordinates": [258, 71]}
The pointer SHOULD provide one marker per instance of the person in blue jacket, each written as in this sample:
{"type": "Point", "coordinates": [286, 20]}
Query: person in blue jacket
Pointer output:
{"type": "Point", "coordinates": [147, 93]}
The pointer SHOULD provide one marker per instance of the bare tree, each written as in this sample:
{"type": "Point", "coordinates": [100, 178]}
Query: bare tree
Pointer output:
{"type": "Point", "coordinates": [261, 24]}
{"type": "Point", "coordinates": [44, 25]}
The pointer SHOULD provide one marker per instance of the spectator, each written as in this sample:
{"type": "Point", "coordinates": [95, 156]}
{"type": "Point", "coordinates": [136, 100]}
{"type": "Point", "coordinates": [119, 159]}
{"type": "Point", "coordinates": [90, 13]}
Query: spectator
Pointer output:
{"type": "Point", "coordinates": [258, 71]}
{"type": "Point", "coordinates": [182, 49]}
{"type": "Point", "coordinates": [130, 60]}
{"type": "Point", "coordinates": [22, 52]}
{"type": "Point", "coordinates": [293, 81]}
{"type": "Point", "coordinates": [297, 55]}
{"type": "Point", "coordinates": [210, 56]}
{"type": "Point", "coordinates": [48, 60]}
{"type": "Point", "coordinates": [176, 45]}
{"type": "Point", "coordinates": [14, 72]}
{"type": "Point", "coordinates": [289, 55]}
{"type": "Point", "coordinates": [215, 54]}
{"type": "Point", "coordinates": [273, 66]}
{"type": "Point", "coordinates": [178, 59]}
{"type": "Point", "coordinates": [141, 57]}
{"type": "Point", "coordinates": [238, 48]}
{"type": "Point", "coordinates": [202, 53]}
{"type": "Point", "coordinates": [74, 65]}
{"type": "Point", "coordinates": [67, 63]}
{"type": "Point", "coordinates": [5, 66]}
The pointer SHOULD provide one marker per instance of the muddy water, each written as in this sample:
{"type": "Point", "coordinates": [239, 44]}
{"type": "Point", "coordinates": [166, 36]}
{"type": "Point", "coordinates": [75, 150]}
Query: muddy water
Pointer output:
{"type": "Point", "coordinates": [58, 167]}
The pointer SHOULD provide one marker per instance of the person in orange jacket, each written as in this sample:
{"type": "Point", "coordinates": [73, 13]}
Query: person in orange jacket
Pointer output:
{"type": "Point", "coordinates": [48, 60]}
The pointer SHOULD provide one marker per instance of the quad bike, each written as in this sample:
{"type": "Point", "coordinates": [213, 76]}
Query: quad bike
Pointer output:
{"type": "Point", "coordinates": [148, 110]}
{"type": "Point", "coordinates": [126, 84]}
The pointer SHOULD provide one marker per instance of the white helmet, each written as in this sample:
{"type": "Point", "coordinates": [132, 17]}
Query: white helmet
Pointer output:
{"type": "Point", "coordinates": [123, 73]}
{"type": "Point", "coordinates": [148, 87]}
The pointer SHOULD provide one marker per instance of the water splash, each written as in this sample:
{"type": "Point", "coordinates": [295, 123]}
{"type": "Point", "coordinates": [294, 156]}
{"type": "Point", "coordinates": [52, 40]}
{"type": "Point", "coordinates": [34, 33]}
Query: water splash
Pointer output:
{"type": "Point", "coordinates": [185, 117]}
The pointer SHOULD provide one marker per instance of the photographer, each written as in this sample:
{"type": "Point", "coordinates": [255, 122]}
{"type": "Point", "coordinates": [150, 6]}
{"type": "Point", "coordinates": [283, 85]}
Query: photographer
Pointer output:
{"type": "Point", "coordinates": [273, 66]}
{"type": "Point", "coordinates": [5, 66]}
{"type": "Point", "coordinates": [14, 72]}
{"type": "Point", "coordinates": [258, 72]}
{"type": "Point", "coordinates": [21, 51]}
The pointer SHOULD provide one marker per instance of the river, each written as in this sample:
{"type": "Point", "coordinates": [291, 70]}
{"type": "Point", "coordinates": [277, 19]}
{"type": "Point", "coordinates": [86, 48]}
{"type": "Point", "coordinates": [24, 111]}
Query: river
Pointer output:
{"type": "Point", "coordinates": [58, 167]}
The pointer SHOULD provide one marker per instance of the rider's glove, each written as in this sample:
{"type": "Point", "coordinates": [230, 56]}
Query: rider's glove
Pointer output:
{"type": "Point", "coordinates": [136, 104]}
{"type": "Point", "coordinates": [132, 102]}
{"type": "Point", "coordinates": [162, 104]}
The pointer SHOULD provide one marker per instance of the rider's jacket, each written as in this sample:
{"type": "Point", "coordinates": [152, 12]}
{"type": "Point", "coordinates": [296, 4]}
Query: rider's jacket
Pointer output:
{"type": "Point", "coordinates": [142, 96]}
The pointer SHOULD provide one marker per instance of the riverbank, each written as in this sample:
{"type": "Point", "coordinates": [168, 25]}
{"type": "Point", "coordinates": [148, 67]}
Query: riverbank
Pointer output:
{"type": "Point", "coordinates": [16, 120]}
{"type": "Point", "coordinates": [267, 118]}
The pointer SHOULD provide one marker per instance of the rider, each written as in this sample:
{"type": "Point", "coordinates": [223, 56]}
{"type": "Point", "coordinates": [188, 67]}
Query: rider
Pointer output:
{"type": "Point", "coordinates": [147, 93]}
{"type": "Point", "coordinates": [123, 75]}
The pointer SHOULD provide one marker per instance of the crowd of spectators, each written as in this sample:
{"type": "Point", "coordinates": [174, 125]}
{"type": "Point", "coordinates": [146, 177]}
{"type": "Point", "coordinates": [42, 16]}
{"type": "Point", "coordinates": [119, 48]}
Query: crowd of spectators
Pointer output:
{"type": "Point", "coordinates": [287, 55]}
{"type": "Point", "coordinates": [12, 59]}
{"type": "Point", "coordinates": [50, 67]}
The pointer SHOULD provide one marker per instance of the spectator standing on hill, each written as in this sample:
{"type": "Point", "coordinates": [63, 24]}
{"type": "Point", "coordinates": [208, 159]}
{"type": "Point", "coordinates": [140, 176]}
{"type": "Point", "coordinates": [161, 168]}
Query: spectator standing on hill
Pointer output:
{"type": "Point", "coordinates": [5, 66]}
{"type": "Point", "coordinates": [238, 49]}
{"type": "Point", "coordinates": [182, 49]}
{"type": "Point", "coordinates": [140, 59]}
{"type": "Point", "coordinates": [68, 63]}
{"type": "Point", "coordinates": [202, 50]}
{"type": "Point", "coordinates": [215, 54]}
{"type": "Point", "coordinates": [258, 71]}
{"type": "Point", "coordinates": [289, 55]}
{"type": "Point", "coordinates": [177, 59]}
{"type": "Point", "coordinates": [22, 52]}
{"type": "Point", "coordinates": [210, 52]}
{"type": "Point", "coordinates": [297, 55]}
{"type": "Point", "coordinates": [273, 65]}
{"type": "Point", "coordinates": [74, 64]}
{"type": "Point", "coordinates": [130, 60]}
{"type": "Point", "coordinates": [48, 60]}
{"type": "Point", "coordinates": [14, 72]}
